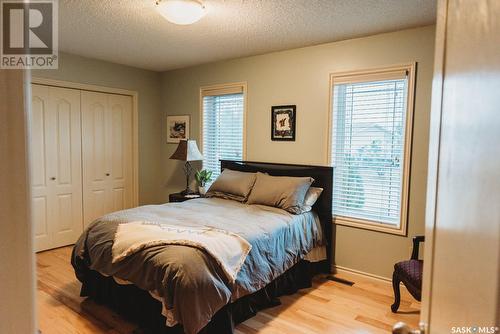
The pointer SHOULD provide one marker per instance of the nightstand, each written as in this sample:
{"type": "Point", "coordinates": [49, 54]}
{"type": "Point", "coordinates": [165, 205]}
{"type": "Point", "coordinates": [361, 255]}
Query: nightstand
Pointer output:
{"type": "Point", "coordinates": [178, 197]}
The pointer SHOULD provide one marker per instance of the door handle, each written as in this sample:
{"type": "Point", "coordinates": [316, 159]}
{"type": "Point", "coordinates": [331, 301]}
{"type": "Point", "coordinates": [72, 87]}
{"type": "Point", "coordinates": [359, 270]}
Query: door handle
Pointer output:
{"type": "Point", "coordinates": [107, 174]}
{"type": "Point", "coordinates": [402, 328]}
{"type": "Point", "coordinates": [52, 178]}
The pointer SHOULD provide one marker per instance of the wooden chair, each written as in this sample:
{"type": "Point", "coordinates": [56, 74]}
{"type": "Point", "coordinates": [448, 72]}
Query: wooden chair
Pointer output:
{"type": "Point", "coordinates": [410, 273]}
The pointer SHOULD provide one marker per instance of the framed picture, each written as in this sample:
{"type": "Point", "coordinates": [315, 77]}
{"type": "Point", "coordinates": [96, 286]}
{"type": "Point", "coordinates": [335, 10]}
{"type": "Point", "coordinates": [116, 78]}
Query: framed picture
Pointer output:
{"type": "Point", "coordinates": [177, 128]}
{"type": "Point", "coordinates": [283, 120]}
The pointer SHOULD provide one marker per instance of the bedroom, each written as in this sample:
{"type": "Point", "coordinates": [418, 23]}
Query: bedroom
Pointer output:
{"type": "Point", "coordinates": [297, 80]}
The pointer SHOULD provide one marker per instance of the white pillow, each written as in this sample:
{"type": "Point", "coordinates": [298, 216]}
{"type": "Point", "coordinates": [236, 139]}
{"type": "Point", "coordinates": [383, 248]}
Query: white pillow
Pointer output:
{"type": "Point", "coordinates": [312, 196]}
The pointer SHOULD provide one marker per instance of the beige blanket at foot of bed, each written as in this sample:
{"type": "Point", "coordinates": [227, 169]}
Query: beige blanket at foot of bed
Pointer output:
{"type": "Point", "coordinates": [228, 249]}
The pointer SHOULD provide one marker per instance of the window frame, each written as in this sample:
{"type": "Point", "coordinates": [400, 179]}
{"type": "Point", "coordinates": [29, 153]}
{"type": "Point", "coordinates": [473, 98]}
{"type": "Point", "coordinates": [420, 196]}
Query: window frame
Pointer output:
{"type": "Point", "coordinates": [380, 73]}
{"type": "Point", "coordinates": [222, 89]}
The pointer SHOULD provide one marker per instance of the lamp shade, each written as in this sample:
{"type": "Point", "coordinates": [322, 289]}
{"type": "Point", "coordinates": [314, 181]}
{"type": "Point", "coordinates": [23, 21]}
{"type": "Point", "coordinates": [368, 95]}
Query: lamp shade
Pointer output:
{"type": "Point", "coordinates": [187, 151]}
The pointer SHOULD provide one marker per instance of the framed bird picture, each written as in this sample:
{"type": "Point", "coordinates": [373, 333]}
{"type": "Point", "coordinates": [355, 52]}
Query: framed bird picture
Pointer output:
{"type": "Point", "coordinates": [283, 119]}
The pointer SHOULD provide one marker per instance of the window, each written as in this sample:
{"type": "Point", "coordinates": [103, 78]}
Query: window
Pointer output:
{"type": "Point", "coordinates": [370, 148]}
{"type": "Point", "coordinates": [223, 109]}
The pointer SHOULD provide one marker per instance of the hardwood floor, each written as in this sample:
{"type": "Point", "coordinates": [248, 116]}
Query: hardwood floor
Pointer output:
{"type": "Point", "coordinates": [327, 307]}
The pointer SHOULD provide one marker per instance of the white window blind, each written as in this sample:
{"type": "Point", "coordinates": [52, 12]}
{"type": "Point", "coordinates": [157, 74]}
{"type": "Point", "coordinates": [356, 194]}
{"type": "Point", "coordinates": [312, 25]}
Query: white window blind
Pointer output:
{"type": "Point", "coordinates": [368, 148]}
{"type": "Point", "coordinates": [222, 130]}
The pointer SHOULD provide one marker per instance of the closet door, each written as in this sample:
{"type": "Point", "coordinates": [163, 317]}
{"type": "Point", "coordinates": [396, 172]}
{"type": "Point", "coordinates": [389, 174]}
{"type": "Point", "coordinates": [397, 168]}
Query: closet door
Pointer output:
{"type": "Point", "coordinates": [41, 166]}
{"type": "Point", "coordinates": [107, 153]}
{"type": "Point", "coordinates": [94, 106]}
{"type": "Point", "coordinates": [120, 148]}
{"type": "Point", "coordinates": [66, 168]}
{"type": "Point", "coordinates": [56, 166]}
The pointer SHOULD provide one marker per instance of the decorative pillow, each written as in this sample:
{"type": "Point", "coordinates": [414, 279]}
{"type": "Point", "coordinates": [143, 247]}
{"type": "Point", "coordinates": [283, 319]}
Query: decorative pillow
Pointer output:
{"type": "Point", "coordinates": [311, 197]}
{"type": "Point", "coordinates": [283, 192]}
{"type": "Point", "coordinates": [233, 185]}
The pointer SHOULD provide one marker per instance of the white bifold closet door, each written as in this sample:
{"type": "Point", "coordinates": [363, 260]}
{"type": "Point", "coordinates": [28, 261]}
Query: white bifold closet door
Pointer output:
{"type": "Point", "coordinates": [56, 166]}
{"type": "Point", "coordinates": [107, 154]}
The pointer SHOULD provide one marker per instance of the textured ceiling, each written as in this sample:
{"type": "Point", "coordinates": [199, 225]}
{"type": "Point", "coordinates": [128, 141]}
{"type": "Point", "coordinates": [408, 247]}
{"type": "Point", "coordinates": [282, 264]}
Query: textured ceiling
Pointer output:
{"type": "Point", "coordinates": [131, 32]}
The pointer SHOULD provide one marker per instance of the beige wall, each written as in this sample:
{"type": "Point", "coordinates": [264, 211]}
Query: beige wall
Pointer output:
{"type": "Point", "coordinates": [147, 84]}
{"type": "Point", "coordinates": [301, 77]}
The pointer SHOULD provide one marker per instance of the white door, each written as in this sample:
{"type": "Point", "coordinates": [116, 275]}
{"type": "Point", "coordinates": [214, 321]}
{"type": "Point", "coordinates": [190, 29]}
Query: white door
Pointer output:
{"type": "Point", "coordinates": [463, 287]}
{"type": "Point", "coordinates": [107, 153]}
{"type": "Point", "coordinates": [461, 290]}
{"type": "Point", "coordinates": [120, 158]}
{"type": "Point", "coordinates": [40, 174]}
{"type": "Point", "coordinates": [56, 166]}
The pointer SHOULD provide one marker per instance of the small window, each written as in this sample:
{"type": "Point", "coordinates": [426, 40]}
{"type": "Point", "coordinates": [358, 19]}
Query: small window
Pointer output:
{"type": "Point", "coordinates": [370, 147]}
{"type": "Point", "coordinates": [223, 115]}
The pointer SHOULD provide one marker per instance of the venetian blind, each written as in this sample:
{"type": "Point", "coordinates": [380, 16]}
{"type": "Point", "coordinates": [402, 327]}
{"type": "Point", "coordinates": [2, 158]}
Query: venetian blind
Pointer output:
{"type": "Point", "coordinates": [222, 129]}
{"type": "Point", "coordinates": [368, 140]}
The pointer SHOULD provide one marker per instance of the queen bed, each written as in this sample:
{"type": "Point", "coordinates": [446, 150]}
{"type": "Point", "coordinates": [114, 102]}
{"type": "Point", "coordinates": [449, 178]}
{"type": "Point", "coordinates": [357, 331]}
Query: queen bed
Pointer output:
{"type": "Point", "coordinates": [205, 265]}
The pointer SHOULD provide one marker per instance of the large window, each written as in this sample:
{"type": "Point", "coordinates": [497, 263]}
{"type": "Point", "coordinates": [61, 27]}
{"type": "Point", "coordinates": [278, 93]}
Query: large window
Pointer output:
{"type": "Point", "coordinates": [223, 114]}
{"type": "Point", "coordinates": [370, 147]}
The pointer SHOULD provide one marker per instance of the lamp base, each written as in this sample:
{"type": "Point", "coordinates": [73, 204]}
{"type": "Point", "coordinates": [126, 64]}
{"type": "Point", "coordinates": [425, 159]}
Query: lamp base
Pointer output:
{"type": "Point", "coordinates": [188, 169]}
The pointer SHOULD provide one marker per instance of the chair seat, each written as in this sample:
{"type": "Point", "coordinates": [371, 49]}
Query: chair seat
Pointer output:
{"type": "Point", "coordinates": [410, 273]}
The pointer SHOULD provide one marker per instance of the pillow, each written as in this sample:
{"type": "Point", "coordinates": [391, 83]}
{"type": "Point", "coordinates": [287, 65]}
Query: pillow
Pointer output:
{"type": "Point", "coordinates": [233, 185]}
{"type": "Point", "coordinates": [283, 192]}
{"type": "Point", "coordinates": [311, 197]}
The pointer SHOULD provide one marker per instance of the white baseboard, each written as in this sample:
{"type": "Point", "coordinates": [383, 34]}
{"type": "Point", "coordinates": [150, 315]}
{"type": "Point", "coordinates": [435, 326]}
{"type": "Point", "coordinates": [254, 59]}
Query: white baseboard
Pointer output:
{"type": "Point", "coordinates": [341, 269]}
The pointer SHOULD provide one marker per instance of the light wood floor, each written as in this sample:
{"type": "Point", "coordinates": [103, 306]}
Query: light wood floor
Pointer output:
{"type": "Point", "coordinates": [327, 307]}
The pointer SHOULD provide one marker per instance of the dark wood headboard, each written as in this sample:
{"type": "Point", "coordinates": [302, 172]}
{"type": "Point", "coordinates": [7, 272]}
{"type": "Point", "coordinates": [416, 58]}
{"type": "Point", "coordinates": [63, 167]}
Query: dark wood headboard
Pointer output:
{"type": "Point", "coordinates": [323, 178]}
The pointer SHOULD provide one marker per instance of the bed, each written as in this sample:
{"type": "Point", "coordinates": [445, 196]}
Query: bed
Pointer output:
{"type": "Point", "coordinates": [177, 289]}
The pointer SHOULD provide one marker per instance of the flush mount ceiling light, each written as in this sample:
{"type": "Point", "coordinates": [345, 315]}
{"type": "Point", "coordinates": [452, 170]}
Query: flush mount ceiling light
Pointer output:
{"type": "Point", "coordinates": [181, 11]}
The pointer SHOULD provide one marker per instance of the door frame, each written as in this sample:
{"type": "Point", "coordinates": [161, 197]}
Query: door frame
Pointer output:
{"type": "Point", "coordinates": [433, 162]}
{"type": "Point", "coordinates": [135, 119]}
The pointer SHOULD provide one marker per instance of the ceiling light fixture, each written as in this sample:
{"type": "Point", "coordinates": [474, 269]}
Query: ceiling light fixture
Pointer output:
{"type": "Point", "coordinates": [181, 12]}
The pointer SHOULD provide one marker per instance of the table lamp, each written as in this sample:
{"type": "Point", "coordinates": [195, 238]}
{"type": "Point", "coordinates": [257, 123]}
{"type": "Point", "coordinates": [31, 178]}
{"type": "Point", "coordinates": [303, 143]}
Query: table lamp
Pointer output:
{"type": "Point", "coordinates": [187, 151]}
